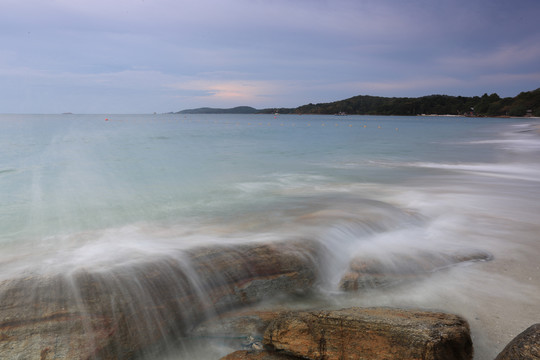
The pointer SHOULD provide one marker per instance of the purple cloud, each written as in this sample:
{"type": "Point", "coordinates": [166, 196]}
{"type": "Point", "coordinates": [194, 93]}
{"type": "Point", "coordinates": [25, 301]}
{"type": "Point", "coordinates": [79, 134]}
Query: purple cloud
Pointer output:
{"type": "Point", "coordinates": [165, 55]}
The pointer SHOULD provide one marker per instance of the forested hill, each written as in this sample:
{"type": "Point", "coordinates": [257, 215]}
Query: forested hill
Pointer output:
{"type": "Point", "coordinates": [487, 105]}
{"type": "Point", "coordinates": [526, 103]}
{"type": "Point", "coordinates": [207, 110]}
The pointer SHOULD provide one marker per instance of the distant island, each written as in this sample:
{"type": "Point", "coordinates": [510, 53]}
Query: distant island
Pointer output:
{"type": "Point", "coordinates": [525, 104]}
{"type": "Point", "coordinates": [207, 110]}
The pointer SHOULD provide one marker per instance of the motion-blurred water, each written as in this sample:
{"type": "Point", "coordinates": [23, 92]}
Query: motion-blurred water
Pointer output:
{"type": "Point", "coordinates": [99, 190]}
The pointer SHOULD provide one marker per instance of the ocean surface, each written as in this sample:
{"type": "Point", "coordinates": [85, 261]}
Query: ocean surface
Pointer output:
{"type": "Point", "coordinates": [99, 190]}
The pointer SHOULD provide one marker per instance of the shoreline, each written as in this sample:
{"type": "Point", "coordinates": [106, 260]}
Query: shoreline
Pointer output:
{"type": "Point", "coordinates": [357, 192]}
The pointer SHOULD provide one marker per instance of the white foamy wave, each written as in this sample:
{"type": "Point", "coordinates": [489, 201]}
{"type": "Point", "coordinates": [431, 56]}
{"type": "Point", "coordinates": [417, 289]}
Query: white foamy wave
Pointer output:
{"type": "Point", "coordinates": [106, 248]}
{"type": "Point", "coordinates": [523, 126]}
{"type": "Point", "coordinates": [528, 172]}
{"type": "Point", "coordinates": [256, 187]}
{"type": "Point", "coordinates": [361, 164]}
{"type": "Point", "coordinates": [280, 181]}
{"type": "Point", "coordinates": [517, 145]}
{"type": "Point", "coordinates": [515, 138]}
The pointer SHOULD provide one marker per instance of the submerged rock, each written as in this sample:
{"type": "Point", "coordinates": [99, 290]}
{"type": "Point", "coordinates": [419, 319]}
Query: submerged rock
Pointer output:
{"type": "Point", "coordinates": [248, 273]}
{"type": "Point", "coordinates": [370, 333]}
{"type": "Point", "coordinates": [368, 272]}
{"type": "Point", "coordinates": [242, 329]}
{"type": "Point", "coordinates": [525, 346]}
{"type": "Point", "coordinates": [130, 309]}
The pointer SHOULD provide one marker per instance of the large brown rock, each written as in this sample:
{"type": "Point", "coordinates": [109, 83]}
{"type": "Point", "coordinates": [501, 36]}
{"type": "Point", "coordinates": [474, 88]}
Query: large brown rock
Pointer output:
{"type": "Point", "coordinates": [371, 333]}
{"type": "Point", "coordinates": [525, 346]}
{"type": "Point", "coordinates": [368, 272]}
{"type": "Point", "coordinates": [131, 309]}
{"type": "Point", "coordinates": [244, 274]}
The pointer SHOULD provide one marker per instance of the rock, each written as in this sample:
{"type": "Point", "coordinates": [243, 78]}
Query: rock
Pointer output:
{"type": "Point", "coordinates": [236, 325]}
{"type": "Point", "coordinates": [525, 346]}
{"type": "Point", "coordinates": [366, 272]}
{"type": "Point", "coordinates": [132, 309]}
{"type": "Point", "coordinates": [258, 355]}
{"type": "Point", "coordinates": [239, 330]}
{"type": "Point", "coordinates": [253, 343]}
{"type": "Point", "coordinates": [370, 333]}
{"type": "Point", "coordinates": [249, 273]}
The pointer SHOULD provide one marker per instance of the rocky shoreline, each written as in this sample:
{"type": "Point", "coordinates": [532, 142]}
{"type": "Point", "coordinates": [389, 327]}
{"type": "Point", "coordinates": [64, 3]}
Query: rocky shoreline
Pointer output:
{"type": "Point", "coordinates": [131, 311]}
{"type": "Point", "coordinates": [366, 333]}
{"type": "Point", "coordinates": [355, 333]}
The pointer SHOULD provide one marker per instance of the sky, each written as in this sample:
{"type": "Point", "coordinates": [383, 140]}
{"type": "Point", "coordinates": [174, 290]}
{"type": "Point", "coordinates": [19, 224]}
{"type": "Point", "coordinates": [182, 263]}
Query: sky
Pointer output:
{"type": "Point", "coordinates": [145, 56]}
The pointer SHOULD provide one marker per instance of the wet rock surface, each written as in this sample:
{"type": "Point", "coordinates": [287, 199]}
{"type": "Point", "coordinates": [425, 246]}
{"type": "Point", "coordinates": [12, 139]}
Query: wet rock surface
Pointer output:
{"type": "Point", "coordinates": [369, 272]}
{"type": "Point", "coordinates": [242, 329]}
{"type": "Point", "coordinates": [370, 333]}
{"type": "Point", "coordinates": [120, 312]}
{"type": "Point", "coordinates": [135, 309]}
{"type": "Point", "coordinates": [525, 346]}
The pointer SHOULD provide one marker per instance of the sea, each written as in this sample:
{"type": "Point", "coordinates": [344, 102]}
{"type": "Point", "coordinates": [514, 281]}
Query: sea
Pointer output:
{"type": "Point", "coordinates": [83, 191]}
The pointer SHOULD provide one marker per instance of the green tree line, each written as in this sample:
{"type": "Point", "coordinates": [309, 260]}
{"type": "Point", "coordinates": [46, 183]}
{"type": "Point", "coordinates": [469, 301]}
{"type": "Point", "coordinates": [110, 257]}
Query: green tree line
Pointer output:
{"type": "Point", "coordinates": [486, 105]}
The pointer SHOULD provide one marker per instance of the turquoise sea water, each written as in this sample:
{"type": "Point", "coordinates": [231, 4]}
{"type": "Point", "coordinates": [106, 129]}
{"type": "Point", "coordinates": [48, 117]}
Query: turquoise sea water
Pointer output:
{"type": "Point", "coordinates": [94, 190]}
{"type": "Point", "coordinates": [70, 173]}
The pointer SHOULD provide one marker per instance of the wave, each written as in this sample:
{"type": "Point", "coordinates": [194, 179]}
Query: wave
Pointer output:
{"type": "Point", "coordinates": [281, 181]}
{"type": "Point", "coordinates": [528, 172]}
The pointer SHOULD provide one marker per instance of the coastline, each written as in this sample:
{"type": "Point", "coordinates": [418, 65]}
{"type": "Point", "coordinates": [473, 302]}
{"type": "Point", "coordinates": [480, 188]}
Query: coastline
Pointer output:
{"type": "Point", "coordinates": [355, 190]}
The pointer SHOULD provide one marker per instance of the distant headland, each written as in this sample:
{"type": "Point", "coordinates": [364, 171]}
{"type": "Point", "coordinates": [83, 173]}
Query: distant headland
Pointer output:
{"type": "Point", "coordinates": [208, 110]}
{"type": "Point", "coordinates": [525, 104]}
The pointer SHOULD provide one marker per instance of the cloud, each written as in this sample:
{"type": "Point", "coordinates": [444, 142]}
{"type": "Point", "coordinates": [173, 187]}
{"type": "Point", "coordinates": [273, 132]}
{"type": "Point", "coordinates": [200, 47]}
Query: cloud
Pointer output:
{"type": "Point", "coordinates": [175, 54]}
{"type": "Point", "coordinates": [408, 85]}
{"type": "Point", "coordinates": [447, 85]}
{"type": "Point", "coordinates": [231, 92]}
{"type": "Point", "coordinates": [503, 57]}
{"type": "Point", "coordinates": [498, 80]}
{"type": "Point", "coordinates": [122, 79]}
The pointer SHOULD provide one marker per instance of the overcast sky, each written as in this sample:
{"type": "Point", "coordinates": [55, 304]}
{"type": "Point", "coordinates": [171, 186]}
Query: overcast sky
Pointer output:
{"type": "Point", "coordinates": [145, 56]}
